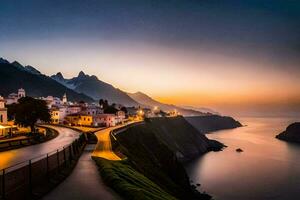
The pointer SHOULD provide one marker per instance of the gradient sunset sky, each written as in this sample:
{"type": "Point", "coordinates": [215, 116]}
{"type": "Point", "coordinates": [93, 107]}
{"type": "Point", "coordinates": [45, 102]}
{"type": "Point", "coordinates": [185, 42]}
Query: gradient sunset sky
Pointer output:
{"type": "Point", "coordinates": [239, 57]}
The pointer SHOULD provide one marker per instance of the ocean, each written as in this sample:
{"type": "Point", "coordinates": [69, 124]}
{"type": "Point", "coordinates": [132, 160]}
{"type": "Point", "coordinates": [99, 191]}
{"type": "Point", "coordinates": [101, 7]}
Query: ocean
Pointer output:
{"type": "Point", "coordinates": [267, 168]}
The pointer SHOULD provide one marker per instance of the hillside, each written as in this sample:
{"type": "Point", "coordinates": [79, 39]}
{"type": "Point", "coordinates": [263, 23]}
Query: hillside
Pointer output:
{"type": "Point", "coordinates": [205, 124]}
{"type": "Point", "coordinates": [156, 148]}
{"type": "Point", "coordinates": [144, 99]}
{"type": "Point", "coordinates": [14, 76]}
{"type": "Point", "coordinates": [95, 88]}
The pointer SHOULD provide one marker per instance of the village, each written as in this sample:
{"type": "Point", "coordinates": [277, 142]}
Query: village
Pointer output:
{"type": "Point", "coordinates": [77, 114]}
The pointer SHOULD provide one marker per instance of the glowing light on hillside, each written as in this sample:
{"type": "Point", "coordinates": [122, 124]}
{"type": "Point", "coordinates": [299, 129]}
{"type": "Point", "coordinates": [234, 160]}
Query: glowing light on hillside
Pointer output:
{"type": "Point", "coordinates": [140, 112]}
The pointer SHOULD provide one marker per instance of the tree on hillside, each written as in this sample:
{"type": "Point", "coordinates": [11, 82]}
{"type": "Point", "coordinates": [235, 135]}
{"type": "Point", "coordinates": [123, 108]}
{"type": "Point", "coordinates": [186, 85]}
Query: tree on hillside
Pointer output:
{"type": "Point", "coordinates": [110, 110]}
{"type": "Point", "coordinates": [29, 110]}
{"type": "Point", "coordinates": [124, 109]}
{"type": "Point", "coordinates": [103, 103]}
{"type": "Point", "coordinates": [11, 111]}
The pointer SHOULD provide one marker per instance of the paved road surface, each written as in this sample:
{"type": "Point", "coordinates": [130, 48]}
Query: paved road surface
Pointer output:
{"type": "Point", "coordinates": [66, 136]}
{"type": "Point", "coordinates": [103, 148]}
{"type": "Point", "coordinates": [84, 182]}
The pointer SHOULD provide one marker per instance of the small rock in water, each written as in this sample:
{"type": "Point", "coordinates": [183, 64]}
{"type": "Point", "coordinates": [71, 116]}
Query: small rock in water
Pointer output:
{"type": "Point", "coordinates": [239, 150]}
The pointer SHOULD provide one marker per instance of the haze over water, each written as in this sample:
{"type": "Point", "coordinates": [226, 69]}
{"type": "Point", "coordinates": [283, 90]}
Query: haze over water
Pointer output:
{"type": "Point", "coordinates": [267, 169]}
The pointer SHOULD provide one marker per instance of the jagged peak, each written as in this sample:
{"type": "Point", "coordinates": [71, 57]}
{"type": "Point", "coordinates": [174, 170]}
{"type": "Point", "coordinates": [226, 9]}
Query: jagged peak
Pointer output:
{"type": "Point", "coordinates": [2, 60]}
{"type": "Point", "coordinates": [81, 74]}
{"type": "Point", "coordinates": [59, 75]}
{"type": "Point", "coordinates": [17, 64]}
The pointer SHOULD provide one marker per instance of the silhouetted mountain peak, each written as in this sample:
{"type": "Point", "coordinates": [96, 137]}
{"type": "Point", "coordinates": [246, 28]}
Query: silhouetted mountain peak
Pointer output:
{"type": "Point", "coordinates": [35, 84]}
{"type": "Point", "coordinates": [17, 64]}
{"type": "Point", "coordinates": [59, 75]}
{"type": "Point", "coordinates": [59, 78]}
{"type": "Point", "coordinates": [32, 70]}
{"type": "Point", "coordinates": [95, 88]}
{"type": "Point", "coordinates": [82, 75]}
{"type": "Point", "coordinates": [2, 60]}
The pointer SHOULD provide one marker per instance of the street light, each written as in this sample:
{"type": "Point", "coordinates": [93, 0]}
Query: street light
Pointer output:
{"type": "Point", "coordinates": [141, 112]}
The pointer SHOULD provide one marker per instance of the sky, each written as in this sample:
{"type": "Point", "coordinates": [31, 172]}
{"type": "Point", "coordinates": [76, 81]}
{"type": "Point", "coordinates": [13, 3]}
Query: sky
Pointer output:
{"type": "Point", "coordinates": [238, 57]}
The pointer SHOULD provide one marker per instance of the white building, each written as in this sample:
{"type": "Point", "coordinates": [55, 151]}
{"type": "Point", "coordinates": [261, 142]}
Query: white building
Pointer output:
{"type": "Point", "coordinates": [72, 109]}
{"type": "Point", "coordinates": [4, 128]}
{"type": "Point", "coordinates": [21, 93]}
{"type": "Point", "coordinates": [92, 110]}
{"type": "Point", "coordinates": [13, 97]}
{"type": "Point", "coordinates": [3, 111]}
{"type": "Point", "coordinates": [107, 120]}
{"type": "Point", "coordinates": [51, 101]}
{"type": "Point", "coordinates": [65, 100]}
{"type": "Point", "coordinates": [121, 114]}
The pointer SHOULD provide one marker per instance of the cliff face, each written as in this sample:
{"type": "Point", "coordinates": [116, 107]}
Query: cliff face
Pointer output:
{"type": "Point", "coordinates": [291, 134]}
{"type": "Point", "coordinates": [156, 148]}
{"type": "Point", "coordinates": [210, 123]}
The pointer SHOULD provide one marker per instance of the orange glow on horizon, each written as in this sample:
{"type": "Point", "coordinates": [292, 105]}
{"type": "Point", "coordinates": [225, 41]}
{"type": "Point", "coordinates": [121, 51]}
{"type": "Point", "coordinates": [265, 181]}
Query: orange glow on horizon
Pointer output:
{"type": "Point", "coordinates": [173, 75]}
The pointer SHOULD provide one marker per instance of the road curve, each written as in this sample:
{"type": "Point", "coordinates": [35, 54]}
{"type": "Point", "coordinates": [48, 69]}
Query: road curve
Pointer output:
{"type": "Point", "coordinates": [85, 182]}
{"type": "Point", "coordinates": [103, 148]}
{"type": "Point", "coordinates": [12, 157]}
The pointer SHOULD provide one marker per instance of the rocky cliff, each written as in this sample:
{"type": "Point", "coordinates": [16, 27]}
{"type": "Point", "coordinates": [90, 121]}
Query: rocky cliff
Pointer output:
{"type": "Point", "coordinates": [210, 123]}
{"type": "Point", "coordinates": [156, 148]}
{"type": "Point", "coordinates": [291, 134]}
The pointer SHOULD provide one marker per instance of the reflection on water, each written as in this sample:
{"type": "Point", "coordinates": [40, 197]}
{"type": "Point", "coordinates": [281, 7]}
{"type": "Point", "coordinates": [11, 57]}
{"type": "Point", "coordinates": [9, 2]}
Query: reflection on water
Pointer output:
{"type": "Point", "coordinates": [267, 169]}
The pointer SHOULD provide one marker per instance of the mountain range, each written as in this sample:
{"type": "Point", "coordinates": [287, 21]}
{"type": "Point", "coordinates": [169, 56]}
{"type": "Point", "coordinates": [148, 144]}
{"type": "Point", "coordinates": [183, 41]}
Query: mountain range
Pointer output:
{"type": "Point", "coordinates": [95, 88]}
{"type": "Point", "coordinates": [150, 102]}
{"type": "Point", "coordinates": [84, 87]}
{"type": "Point", "coordinates": [14, 76]}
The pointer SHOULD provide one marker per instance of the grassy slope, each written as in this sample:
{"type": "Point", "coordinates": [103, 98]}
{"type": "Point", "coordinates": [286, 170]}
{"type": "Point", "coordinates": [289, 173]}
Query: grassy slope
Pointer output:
{"type": "Point", "coordinates": [179, 135]}
{"type": "Point", "coordinates": [152, 170]}
{"type": "Point", "coordinates": [129, 183]}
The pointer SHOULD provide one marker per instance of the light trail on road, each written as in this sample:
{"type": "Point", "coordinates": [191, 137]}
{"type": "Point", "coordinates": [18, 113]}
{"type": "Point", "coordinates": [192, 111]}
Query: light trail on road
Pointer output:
{"type": "Point", "coordinates": [103, 148]}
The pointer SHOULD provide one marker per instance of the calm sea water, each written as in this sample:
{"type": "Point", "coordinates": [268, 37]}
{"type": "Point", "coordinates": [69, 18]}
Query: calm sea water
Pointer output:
{"type": "Point", "coordinates": [267, 169]}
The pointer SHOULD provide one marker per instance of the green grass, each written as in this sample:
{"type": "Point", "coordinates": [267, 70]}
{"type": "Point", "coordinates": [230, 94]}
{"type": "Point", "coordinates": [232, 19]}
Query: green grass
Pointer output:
{"type": "Point", "coordinates": [128, 182]}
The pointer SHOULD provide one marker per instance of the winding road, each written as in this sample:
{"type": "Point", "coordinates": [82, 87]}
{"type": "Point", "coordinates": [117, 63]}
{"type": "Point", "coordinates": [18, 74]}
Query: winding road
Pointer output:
{"type": "Point", "coordinates": [103, 148]}
{"type": "Point", "coordinates": [84, 183]}
{"type": "Point", "coordinates": [12, 157]}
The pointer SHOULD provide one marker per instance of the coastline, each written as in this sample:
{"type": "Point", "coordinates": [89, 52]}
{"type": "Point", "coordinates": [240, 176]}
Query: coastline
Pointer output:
{"type": "Point", "coordinates": [149, 151]}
